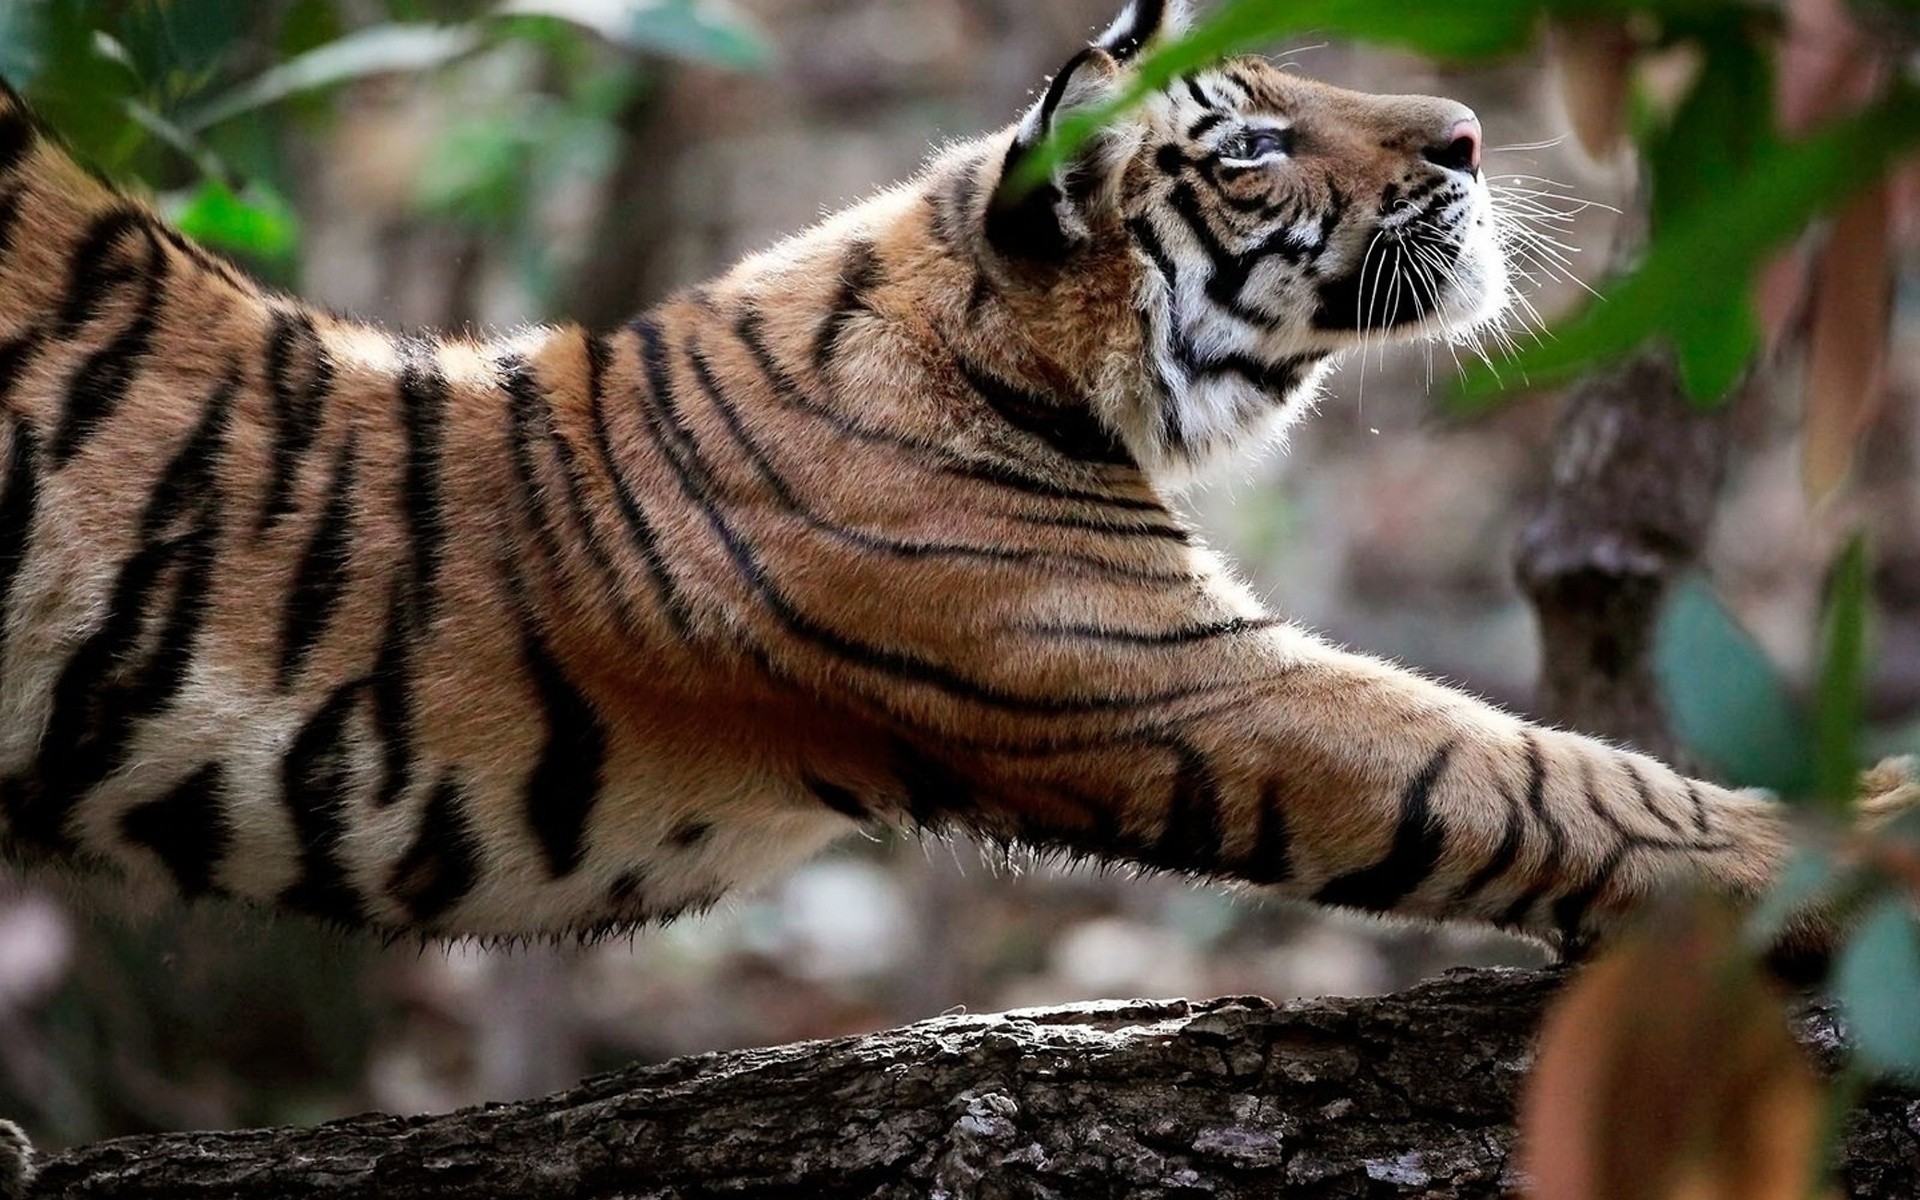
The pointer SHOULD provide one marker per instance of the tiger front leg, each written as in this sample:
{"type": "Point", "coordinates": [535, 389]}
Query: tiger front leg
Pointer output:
{"type": "Point", "coordinates": [1336, 778]}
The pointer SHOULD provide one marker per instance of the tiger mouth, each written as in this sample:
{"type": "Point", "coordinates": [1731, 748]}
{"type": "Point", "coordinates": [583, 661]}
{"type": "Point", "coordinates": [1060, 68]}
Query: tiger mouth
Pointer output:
{"type": "Point", "coordinates": [1423, 274]}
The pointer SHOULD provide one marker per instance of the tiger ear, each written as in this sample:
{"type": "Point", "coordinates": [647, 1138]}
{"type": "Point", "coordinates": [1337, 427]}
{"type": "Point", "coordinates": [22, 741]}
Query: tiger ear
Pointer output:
{"type": "Point", "coordinates": [1048, 220]}
{"type": "Point", "coordinates": [1140, 24]}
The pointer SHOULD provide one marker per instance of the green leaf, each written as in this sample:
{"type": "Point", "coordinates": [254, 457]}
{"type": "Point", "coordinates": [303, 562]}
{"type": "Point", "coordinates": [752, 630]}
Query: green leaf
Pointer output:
{"type": "Point", "coordinates": [20, 34]}
{"type": "Point", "coordinates": [1727, 702]}
{"type": "Point", "coordinates": [705, 30]}
{"type": "Point", "coordinates": [1717, 249]}
{"type": "Point", "coordinates": [1840, 708]}
{"type": "Point", "coordinates": [80, 88]}
{"type": "Point", "coordinates": [1810, 876]}
{"type": "Point", "coordinates": [376, 50]}
{"type": "Point", "coordinates": [256, 222]}
{"type": "Point", "coordinates": [1877, 982]}
{"type": "Point", "coordinates": [1724, 121]}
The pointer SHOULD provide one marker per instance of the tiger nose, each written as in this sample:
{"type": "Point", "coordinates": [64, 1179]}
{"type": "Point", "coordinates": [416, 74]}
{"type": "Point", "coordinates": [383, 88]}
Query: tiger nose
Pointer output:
{"type": "Point", "coordinates": [1458, 149]}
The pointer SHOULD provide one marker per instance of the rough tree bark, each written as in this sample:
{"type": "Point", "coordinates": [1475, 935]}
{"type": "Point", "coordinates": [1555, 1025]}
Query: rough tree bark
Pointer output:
{"type": "Point", "coordinates": [1397, 1096]}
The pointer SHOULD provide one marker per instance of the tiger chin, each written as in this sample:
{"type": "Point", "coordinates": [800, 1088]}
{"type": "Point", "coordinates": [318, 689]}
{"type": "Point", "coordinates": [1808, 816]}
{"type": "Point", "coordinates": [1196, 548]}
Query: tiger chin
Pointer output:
{"type": "Point", "coordinates": [566, 631]}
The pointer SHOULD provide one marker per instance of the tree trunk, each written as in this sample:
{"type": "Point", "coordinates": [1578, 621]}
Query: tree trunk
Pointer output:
{"type": "Point", "coordinates": [1636, 479]}
{"type": "Point", "coordinates": [1406, 1095]}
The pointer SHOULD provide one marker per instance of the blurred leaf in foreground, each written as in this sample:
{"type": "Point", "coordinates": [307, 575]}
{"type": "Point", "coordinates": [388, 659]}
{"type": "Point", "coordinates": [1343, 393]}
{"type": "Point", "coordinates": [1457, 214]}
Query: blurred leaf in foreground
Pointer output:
{"type": "Point", "coordinates": [1840, 705]}
{"type": "Point", "coordinates": [1877, 981]}
{"type": "Point", "coordinates": [256, 222]}
{"type": "Point", "coordinates": [706, 30]}
{"type": "Point", "coordinates": [1721, 245]}
{"type": "Point", "coordinates": [1728, 702]}
{"type": "Point", "coordinates": [375, 50]}
{"type": "Point", "coordinates": [1667, 1070]}
{"type": "Point", "coordinates": [1847, 357]}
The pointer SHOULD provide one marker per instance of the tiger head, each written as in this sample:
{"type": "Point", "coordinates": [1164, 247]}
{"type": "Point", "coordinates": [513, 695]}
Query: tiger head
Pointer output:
{"type": "Point", "coordinates": [1268, 223]}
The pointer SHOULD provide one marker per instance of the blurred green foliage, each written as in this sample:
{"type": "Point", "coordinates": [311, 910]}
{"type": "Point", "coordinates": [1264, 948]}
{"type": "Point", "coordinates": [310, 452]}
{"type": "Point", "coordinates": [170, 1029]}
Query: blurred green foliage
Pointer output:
{"type": "Point", "coordinates": [195, 97]}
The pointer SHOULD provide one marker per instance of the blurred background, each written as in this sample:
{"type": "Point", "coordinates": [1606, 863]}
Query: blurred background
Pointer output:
{"type": "Point", "coordinates": [560, 162]}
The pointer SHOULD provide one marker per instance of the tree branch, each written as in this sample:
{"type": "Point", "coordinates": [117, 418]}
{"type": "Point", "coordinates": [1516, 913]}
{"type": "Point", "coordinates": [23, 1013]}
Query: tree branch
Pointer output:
{"type": "Point", "coordinates": [1405, 1095]}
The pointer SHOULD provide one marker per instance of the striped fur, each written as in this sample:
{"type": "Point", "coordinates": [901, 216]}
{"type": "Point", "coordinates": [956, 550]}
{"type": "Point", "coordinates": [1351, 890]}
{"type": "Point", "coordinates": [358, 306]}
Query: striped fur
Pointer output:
{"type": "Point", "coordinates": [569, 631]}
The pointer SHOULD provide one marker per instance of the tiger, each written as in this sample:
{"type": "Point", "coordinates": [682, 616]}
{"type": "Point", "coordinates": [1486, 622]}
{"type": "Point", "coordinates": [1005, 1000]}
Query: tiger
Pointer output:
{"type": "Point", "coordinates": [558, 632]}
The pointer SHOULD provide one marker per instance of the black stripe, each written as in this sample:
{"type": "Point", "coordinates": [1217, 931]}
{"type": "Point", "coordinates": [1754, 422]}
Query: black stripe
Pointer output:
{"type": "Point", "coordinates": [1003, 476]}
{"type": "Point", "coordinates": [839, 799]}
{"type": "Point", "coordinates": [1153, 530]}
{"type": "Point", "coordinates": [688, 834]}
{"type": "Point", "coordinates": [1270, 861]}
{"type": "Point", "coordinates": [1570, 911]}
{"type": "Point", "coordinates": [584, 516]}
{"type": "Point", "coordinates": [1207, 123]}
{"type": "Point", "coordinates": [1647, 800]}
{"type": "Point", "coordinates": [953, 208]}
{"type": "Point", "coordinates": [529, 424]}
{"type": "Point", "coordinates": [1331, 213]}
{"type": "Point", "coordinates": [1699, 804]}
{"type": "Point", "coordinates": [626, 895]}
{"type": "Point", "coordinates": [107, 686]}
{"type": "Point", "coordinates": [1230, 269]}
{"type": "Point", "coordinates": [1190, 838]}
{"type": "Point", "coordinates": [1185, 635]}
{"type": "Point", "coordinates": [1417, 845]}
{"type": "Point", "coordinates": [423, 405]}
{"type": "Point", "coordinates": [1194, 90]}
{"type": "Point", "coordinates": [1071, 429]}
{"type": "Point", "coordinates": [788, 392]}
{"type": "Point", "coordinates": [565, 784]}
{"type": "Point", "coordinates": [316, 780]}
{"type": "Point", "coordinates": [1279, 379]}
{"type": "Point", "coordinates": [694, 483]}
{"type": "Point", "coordinates": [299, 379]}
{"type": "Point", "coordinates": [321, 577]}
{"type": "Point", "coordinates": [16, 355]}
{"type": "Point", "coordinates": [978, 295]}
{"type": "Point", "coordinates": [443, 863]}
{"type": "Point", "coordinates": [17, 511]}
{"type": "Point", "coordinates": [9, 221]}
{"type": "Point", "coordinates": [1628, 837]}
{"type": "Point", "coordinates": [1504, 855]}
{"type": "Point", "coordinates": [392, 695]}
{"type": "Point", "coordinates": [641, 533]}
{"type": "Point", "coordinates": [933, 793]}
{"type": "Point", "coordinates": [100, 385]}
{"type": "Point", "coordinates": [198, 256]}
{"type": "Point", "coordinates": [1516, 913]}
{"type": "Point", "coordinates": [859, 274]}
{"type": "Point", "coordinates": [1148, 239]}
{"type": "Point", "coordinates": [1143, 21]}
{"type": "Point", "coordinates": [188, 829]}
{"type": "Point", "coordinates": [92, 273]}
{"type": "Point", "coordinates": [16, 139]}
{"type": "Point", "coordinates": [761, 460]}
